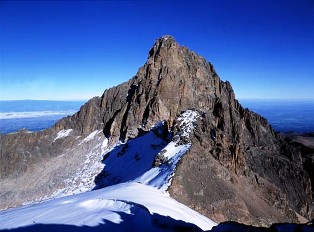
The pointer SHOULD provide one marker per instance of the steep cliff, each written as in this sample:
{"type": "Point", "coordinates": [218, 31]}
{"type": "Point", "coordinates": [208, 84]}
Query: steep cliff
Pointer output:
{"type": "Point", "coordinates": [237, 168]}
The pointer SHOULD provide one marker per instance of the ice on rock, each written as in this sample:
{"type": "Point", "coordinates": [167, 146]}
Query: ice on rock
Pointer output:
{"type": "Point", "coordinates": [187, 122]}
{"type": "Point", "coordinates": [63, 133]}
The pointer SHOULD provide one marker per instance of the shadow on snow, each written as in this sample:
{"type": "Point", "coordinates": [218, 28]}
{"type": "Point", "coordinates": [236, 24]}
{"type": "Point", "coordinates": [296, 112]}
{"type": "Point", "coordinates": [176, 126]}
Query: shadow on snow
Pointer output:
{"type": "Point", "coordinates": [131, 160]}
{"type": "Point", "coordinates": [139, 220]}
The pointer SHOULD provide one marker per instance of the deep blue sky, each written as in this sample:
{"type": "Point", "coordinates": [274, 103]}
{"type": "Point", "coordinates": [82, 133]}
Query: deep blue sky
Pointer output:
{"type": "Point", "coordinates": [77, 49]}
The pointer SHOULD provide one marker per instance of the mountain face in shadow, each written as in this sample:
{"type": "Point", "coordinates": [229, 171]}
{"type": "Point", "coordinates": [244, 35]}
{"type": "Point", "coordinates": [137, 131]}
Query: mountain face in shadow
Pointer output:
{"type": "Point", "coordinates": [237, 168]}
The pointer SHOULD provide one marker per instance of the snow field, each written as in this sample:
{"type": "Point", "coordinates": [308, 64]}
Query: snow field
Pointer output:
{"type": "Point", "coordinates": [104, 207]}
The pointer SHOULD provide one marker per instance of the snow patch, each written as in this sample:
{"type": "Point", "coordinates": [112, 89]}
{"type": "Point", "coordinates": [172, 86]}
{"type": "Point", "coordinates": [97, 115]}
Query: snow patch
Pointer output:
{"type": "Point", "coordinates": [105, 143]}
{"type": "Point", "coordinates": [91, 136]}
{"type": "Point", "coordinates": [187, 122]}
{"type": "Point", "coordinates": [84, 178]}
{"type": "Point", "coordinates": [63, 133]}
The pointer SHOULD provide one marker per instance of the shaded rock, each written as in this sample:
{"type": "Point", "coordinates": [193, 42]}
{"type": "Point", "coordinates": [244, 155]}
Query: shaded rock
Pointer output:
{"type": "Point", "coordinates": [231, 226]}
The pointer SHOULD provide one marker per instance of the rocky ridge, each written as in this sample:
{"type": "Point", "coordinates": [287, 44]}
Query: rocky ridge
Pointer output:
{"type": "Point", "coordinates": [237, 168]}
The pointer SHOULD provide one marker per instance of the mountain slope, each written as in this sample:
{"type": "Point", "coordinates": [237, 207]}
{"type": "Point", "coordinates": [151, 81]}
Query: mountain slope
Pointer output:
{"type": "Point", "coordinates": [127, 205]}
{"type": "Point", "coordinates": [236, 168]}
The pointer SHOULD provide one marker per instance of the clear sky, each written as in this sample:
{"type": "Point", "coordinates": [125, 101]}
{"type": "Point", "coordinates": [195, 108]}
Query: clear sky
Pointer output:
{"type": "Point", "coordinates": [66, 50]}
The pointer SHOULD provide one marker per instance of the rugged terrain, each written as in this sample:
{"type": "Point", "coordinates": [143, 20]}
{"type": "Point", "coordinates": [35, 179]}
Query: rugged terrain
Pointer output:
{"type": "Point", "coordinates": [237, 168]}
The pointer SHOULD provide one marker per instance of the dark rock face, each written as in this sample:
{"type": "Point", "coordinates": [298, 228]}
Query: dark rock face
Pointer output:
{"type": "Point", "coordinates": [231, 226]}
{"type": "Point", "coordinates": [85, 121]}
{"type": "Point", "coordinates": [238, 168]}
{"type": "Point", "coordinates": [254, 184]}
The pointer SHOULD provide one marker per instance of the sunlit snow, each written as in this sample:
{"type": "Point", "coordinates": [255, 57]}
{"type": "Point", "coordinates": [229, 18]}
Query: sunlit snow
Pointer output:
{"type": "Point", "coordinates": [119, 207]}
{"type": "Point", "coordinates": [91, 136]}
{"type": "Point", "coordinates": [62, 134]}
{"type": "Point", "coordinates": [187, 120]}
{"type": "Point", "coordinates": [159, 177]}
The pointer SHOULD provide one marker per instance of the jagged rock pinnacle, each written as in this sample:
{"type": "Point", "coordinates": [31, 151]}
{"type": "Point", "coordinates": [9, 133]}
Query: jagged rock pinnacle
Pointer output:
{"type": "Point", "coordinates": [167, 39]}
{"type": "Point", "coordinates": [164, 43]}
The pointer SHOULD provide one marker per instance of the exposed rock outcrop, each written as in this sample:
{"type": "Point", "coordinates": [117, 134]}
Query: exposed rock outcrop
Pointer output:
{"type": "Point", "coordinates": [238, 168]}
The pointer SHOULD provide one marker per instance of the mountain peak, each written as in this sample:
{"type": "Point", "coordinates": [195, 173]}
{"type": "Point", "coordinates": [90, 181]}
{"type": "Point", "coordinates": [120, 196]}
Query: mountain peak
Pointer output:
{"type": "Point", "coordinates": [162, 46]}
{"type": "Point", "coordinates": [229, 147]}
{"type": "Point", "coordinates": [167, 39]}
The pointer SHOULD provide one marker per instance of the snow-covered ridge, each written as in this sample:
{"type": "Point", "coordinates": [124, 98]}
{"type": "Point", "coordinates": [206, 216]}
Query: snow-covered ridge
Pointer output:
{"type": "Point", "coordinates": [123, 207]}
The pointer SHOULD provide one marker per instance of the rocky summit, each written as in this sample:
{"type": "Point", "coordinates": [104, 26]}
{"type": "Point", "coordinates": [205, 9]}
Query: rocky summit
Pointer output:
{"type": "Point", "coordinates": [236, 168]}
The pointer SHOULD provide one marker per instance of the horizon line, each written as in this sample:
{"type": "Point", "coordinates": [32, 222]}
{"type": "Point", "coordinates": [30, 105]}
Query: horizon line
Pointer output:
{"type": "Point", "coordinates": [87, 99]}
